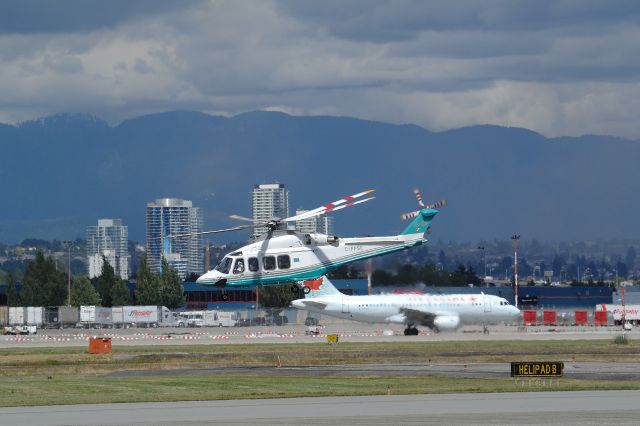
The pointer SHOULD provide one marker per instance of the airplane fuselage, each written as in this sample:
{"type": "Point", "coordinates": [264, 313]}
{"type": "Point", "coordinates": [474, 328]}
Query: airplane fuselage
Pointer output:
{"type": "Point", "coordinates": [445, 312]}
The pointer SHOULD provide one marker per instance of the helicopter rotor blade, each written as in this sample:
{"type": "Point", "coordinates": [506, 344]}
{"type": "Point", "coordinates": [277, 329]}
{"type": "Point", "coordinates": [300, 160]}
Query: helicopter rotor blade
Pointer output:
{"type": "Point", "coordinates": [238, 217]}
{"type": "Point", "coordinates": [419, 197]}
{"type": "Point", "coordinates": [217, 231]}
{"type": "Point", "coordinates": [437, 204]}
{"type": "Point", "coordinates": [329, 207]}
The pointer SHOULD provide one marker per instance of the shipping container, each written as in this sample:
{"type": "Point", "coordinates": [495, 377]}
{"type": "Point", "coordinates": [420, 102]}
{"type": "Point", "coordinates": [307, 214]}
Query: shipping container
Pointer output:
{"type": "Point", "coordinates": [34, 315]}
{"type": "Point", "coordinates": [4, 315]}
{"type": "Point", "coordinates": [530, 317]}
{"type": "Point", "coordinates": [582, 318]}
{"type": "Point", "coordinates": [68, 316]}
{"type": "Point", "coordinates": [16, 315]}
{"type": "Point", "coordinates": [550, 318]}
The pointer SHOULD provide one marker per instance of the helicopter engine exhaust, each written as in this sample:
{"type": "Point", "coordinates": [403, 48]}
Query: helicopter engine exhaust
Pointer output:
{"type": "Point", "coordinates": [323, 240]}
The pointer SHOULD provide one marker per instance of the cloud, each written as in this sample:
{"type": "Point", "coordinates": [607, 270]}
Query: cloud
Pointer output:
{"type": "Point", "coordinates": [557, 67]}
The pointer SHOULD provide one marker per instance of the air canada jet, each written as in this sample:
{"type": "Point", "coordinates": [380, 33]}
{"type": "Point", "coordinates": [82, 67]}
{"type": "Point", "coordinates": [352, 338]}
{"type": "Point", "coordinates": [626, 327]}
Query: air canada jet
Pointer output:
{"type": "Point", "coordinates": [441, 312]}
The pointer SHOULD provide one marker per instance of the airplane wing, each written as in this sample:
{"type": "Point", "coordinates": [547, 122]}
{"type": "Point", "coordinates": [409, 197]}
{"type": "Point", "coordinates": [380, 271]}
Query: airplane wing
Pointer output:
{"type": "Point", "coordinates": [316, 305]}
{"type": "Point", "coordinates": [416, 316]}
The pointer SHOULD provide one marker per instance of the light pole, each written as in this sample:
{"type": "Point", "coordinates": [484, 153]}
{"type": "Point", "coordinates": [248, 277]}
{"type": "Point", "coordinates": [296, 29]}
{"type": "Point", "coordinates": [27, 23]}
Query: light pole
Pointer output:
{"type": "Point", "coordinates": [515, 238]}
{"type": "Point", "coordinates": [68, 246]}
{"type": "Point", "coordinates": [483, 261]}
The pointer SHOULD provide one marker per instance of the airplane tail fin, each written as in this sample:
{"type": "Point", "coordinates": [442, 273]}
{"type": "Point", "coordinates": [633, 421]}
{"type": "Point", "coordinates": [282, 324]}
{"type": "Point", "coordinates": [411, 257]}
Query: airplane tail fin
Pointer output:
{"type": "Point", "coordinates": [421, 223]}
{"type": "Point", "coordinates": [319, 288]}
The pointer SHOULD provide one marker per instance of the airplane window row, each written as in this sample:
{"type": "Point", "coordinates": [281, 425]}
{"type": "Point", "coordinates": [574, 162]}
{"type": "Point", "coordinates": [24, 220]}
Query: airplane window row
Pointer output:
{"type": "Point", "coordinates": [268, 264]}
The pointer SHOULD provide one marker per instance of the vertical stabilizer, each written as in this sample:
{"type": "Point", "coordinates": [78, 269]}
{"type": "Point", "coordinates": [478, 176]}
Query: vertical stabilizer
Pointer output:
{"type": "Point", "coordinates": [320, 287]}
{"type": "Point", "coordinates": [421, 223]}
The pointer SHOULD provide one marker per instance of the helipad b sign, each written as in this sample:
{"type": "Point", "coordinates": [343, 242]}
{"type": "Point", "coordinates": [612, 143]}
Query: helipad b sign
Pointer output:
{"type": "Point", "coordinates": [537, 369]}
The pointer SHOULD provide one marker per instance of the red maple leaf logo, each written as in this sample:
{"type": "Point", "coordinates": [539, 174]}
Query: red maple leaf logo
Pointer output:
{"type": "Point", "coordinates": [314, 284]}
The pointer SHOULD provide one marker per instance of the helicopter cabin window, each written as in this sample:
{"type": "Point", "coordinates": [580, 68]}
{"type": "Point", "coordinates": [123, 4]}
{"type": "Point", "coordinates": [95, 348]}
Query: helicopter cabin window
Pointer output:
{"type": "Point", "coordinates": [269, 263]}
{"type": "Point", "coordinates": [284, 262]}
{"type": "Point", "coordinates": [253, 264]}
{"type": "Point", "coordinates": [224, 265]}
{"type": "Point", "coordinates": [238, 267]}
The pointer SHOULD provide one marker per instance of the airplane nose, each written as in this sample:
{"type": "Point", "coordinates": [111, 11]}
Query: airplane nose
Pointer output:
{"type": "Point", "coordinates": [297, 303]}
{"type": "Point", "coordinates": [515, 312]}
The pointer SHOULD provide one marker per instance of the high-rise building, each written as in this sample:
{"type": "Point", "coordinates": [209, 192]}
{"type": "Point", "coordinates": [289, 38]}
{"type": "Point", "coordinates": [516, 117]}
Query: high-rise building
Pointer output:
{"type": "Point", "coordinates": [321, 224]}
{"type": "Point", "coordinates": [173, 216]}
{"type": "Point", "coordinates": [108, 240]}
{"type": "Point", "coordinates": [269, 201]}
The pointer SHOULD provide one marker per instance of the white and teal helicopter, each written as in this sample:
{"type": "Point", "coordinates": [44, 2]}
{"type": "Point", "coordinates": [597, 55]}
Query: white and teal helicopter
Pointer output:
{"type": "Point", "coordinates": [284, 255]}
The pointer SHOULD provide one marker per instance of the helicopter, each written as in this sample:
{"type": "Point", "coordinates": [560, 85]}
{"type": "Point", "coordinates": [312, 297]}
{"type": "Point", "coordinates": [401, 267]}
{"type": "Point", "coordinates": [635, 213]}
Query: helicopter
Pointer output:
{"type": "Point", "coordinates": [283, 255]}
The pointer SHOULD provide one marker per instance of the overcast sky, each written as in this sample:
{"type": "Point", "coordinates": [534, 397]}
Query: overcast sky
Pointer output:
{"type": "Point", "coordinates": [558, 67]}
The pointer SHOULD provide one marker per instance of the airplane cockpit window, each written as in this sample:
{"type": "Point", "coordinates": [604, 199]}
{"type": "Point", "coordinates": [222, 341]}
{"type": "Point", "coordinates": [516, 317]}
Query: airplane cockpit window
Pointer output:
{"type": "Point", "coordinates": [284, 261]}
{"type": "Point", "coordinates": [269, 263]}
{"type": "Point", "coordinates": [224, 265]}
{"type": "Point", "coordinates": [253, 264]}
{"type": "Point", "coordinates": [238, 268]}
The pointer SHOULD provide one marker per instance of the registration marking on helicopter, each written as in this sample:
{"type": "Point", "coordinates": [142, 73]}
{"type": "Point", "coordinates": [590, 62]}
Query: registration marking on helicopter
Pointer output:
{"type": "Point", "coordinates": [353, 248]}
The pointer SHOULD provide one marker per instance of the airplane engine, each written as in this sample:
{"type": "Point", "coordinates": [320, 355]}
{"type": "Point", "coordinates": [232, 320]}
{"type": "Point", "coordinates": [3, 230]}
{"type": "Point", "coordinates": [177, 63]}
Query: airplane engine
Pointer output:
{"type": "Point", "coordinates": [322, 240]}
{"type": "Point", "coordinates": [447, 322]}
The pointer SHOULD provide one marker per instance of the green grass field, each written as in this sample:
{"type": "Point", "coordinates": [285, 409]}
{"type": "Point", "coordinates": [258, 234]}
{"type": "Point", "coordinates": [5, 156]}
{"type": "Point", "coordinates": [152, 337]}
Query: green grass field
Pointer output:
{"type": "Point", "coordinates": [71, 376]}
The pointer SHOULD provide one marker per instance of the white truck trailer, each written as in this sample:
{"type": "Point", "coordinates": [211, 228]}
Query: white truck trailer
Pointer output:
{"type": "Point", "coordinates": [17, 315]}
{"type": "Point", "coordinates": [149, 316]}
{"type": "Point", "coordinates": [35, 315]}
{"type": "Point", "coordinates": [95, 316]}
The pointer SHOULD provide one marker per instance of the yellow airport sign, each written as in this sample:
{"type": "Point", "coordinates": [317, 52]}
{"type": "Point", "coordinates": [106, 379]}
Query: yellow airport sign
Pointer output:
{"type": "Point", "coordinates": [537, 369]}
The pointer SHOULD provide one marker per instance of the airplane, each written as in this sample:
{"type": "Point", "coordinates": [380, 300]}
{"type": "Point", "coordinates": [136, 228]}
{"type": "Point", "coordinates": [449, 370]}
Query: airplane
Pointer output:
{"type": "Point", "coordinates": [287, 256]}
{"type": "Point", "coordinates": [440, 312]}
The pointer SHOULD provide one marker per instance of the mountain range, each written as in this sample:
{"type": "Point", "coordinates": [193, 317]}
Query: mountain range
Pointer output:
{"type": "Point", "coordinates": [61, 173]}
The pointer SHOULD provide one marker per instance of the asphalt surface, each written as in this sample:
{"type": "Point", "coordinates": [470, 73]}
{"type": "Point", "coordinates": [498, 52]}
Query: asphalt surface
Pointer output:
{"type": "Point", "coordinates": [572, 370]}
{"type": "Point", "coordinates": [519, 408]}
{"type": "Point", "coordinates": [349, 332]}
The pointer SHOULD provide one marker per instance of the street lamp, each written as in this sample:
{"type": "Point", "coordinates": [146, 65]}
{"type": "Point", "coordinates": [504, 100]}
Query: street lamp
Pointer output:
{"type": "Point", "coordinates": [67, 245]}
{"type": "Point", "coordinates": [515, 238]}
{"type": "Point", "coordinates": [483, 261]}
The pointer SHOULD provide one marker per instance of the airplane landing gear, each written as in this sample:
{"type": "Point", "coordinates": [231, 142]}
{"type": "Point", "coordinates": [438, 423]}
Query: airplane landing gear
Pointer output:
{"type": "Point", "coordinates": [485, 329]}
{"type": "Point", "coordinates": [411, 331]}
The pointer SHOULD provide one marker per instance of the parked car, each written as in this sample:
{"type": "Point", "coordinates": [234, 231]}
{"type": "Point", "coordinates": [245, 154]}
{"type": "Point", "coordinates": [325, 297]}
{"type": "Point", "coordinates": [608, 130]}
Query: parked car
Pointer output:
{"type": "Point", "coordinates": [311, 321]}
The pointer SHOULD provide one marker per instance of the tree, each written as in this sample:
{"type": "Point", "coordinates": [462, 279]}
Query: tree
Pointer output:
{"type": "Point", "coordinates": [147, 285]}
{"type": "Point", "coordinates": [120, 294]}
{"type": "Point", "coordinates": [171, 291]}
{"type": "Point", "coordinates": [43, 285]}
{"type": "Point", "coordinates": [13, 297]}
{"type": "Point", "coordinates": [82, 292]}
{"type": "Point", "coordinates": [105, 282]}
{"type": "Point", "coordinates": [278, 296]}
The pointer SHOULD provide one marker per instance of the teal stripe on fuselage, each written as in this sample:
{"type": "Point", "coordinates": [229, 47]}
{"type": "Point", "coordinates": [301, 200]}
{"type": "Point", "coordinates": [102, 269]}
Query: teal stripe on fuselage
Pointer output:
{"type": "Point", "coordinates": [315, 272]}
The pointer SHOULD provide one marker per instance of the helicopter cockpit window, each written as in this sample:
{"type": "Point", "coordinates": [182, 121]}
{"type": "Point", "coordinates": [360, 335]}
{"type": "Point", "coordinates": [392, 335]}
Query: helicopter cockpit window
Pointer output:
{"type": "Point", "coordinates": [224, 265]}
{"type": "Point", "coordinates": [253, 264]}
{"type": "Point", "coordinates": [238, 268]}
{"type": "Point", "coordinates": [284, 262]}
{"type": "Point", "coordinates": [269, 263]}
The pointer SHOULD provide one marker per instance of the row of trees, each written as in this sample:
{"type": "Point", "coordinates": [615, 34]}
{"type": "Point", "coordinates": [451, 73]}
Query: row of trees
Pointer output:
{"type": "Point", "coordinates": [44, 285]}
{"type": "Point", "coordinates": [428, 274]}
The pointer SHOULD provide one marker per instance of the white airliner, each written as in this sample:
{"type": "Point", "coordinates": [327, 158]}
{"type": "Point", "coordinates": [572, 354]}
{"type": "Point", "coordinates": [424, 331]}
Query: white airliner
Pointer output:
{"type": "Point", "coordinates": [441, 312]}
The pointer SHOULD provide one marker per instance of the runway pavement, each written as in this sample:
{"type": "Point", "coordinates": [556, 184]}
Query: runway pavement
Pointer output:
{"type": "Point", "coordinates": [520, 408]}
{"type": "Point", "coordinates": [354, 332]}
